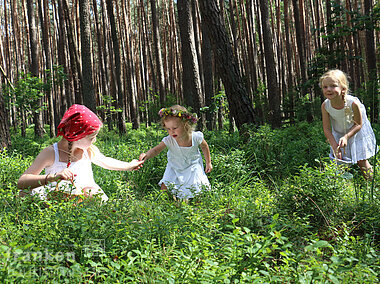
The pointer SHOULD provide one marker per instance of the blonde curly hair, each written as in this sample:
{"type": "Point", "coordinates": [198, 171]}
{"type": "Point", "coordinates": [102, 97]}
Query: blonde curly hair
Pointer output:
{"type": "Point", "coordinates": [188, 119]}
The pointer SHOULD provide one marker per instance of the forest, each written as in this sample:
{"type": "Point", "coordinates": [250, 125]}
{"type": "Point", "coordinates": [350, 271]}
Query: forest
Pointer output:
{"type": "Point", "coordinates": [279, 210]}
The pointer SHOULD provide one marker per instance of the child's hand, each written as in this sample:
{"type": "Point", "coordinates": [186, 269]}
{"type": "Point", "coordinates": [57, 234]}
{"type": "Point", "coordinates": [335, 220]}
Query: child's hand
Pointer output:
{"type": "Point", "coordinates": [136, 164]}
{"type": "Point", "coordinates": [208, 168]}
{"type": "Point", "coordinates": [142, 156]}
{"type": "Point", "coordinates": [338, 153]}
{"type": "Point", "coordinates": [65, 174]}
{"type": "Point", "coordinates": [343, 141]}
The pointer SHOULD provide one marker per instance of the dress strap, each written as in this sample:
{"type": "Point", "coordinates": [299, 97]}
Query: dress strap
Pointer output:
{"type": "Point", "coordinates": [56, 153]}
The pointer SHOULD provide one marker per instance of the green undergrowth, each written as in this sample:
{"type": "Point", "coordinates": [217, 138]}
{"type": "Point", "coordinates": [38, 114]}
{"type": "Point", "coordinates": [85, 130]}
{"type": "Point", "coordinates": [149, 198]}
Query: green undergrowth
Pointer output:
{"type": "Point", "coordinates": [278, 212]}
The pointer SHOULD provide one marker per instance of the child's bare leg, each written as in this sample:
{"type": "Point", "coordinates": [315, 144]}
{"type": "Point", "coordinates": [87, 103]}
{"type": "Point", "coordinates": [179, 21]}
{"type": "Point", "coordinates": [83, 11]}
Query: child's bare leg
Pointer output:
{"type": "Point", "coordinates": [366, 169]}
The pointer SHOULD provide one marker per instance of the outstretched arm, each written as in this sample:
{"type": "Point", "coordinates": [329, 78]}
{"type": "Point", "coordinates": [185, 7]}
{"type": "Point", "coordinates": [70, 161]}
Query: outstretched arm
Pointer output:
{"type": "Point", "coordinates": [152, 152]}
{"type": "Point", "coordinates": [113, 164]}
{"type": "Point", "coordinates": [206, 153]}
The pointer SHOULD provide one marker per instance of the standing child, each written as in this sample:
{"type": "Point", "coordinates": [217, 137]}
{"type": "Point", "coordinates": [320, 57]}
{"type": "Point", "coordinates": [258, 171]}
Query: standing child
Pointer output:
{"type": "Point", "coordinates": [345, 123]}
{"type": "Point", "coordinates": [70, 159]}
{"type": "Point", "coordinates": [184, 174]}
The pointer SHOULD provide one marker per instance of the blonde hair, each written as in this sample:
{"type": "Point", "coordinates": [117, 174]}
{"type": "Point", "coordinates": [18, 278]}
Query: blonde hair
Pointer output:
{"type": "Point", "coordinates": [187, 124]}
{"type": "Point", "coordinates": [91, 151]}
{"type": "Point", "coordinates": [338, 76]}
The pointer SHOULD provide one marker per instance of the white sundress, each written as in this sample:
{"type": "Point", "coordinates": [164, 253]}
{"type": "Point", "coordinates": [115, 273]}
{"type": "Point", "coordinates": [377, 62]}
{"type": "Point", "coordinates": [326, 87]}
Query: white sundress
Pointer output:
{"type": "Point", "coordinates": [84, 177]}
{"type": "Point", "coordinates": [363, 144]}
{"type": "Point", "coordinates": [184, 175]}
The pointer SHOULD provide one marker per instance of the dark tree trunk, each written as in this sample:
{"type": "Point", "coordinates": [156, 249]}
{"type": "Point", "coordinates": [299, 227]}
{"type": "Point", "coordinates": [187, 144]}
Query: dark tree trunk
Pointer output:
{"type": "Point", "coordinates": [116, 50]}
{"type": "Point", "coordinates": [44, 19]}
{"type": "Point", "coordinates": [208, 77]}
{"type": "Point", "coordinates": [272, 82]}
{"type": "Point", "coordinates": [190, 74]}
{"type": "Point", "coordinates": [157, 49]}
{"type": "Point", "coordinates": [300, 39]}
{"type": "Point", "coordinates": [34, 65]}
{"type": "Point", "coordinates": [88, 90]}
{"type": "Point", "coordinates": [239, 102]}
{"type": "Point", "coordinates": [372, 86]}
{"type": "Point", "coordinates": [5, 137]}
{"type": "Point", "coordinates": [75, 65]}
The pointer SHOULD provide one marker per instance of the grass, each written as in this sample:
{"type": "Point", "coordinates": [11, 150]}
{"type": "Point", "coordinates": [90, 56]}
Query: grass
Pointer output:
{"type": "Point", "coordinates": [278, 212]}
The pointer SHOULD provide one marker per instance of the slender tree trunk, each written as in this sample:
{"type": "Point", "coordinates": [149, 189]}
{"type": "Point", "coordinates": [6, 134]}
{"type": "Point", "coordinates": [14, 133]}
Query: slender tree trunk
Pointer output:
{"type": "Point", "coordinates": [157, 49]}
{"type": "Point", "coordinates": [34, 66]}
{"type": "Point", "coordinates": [372, 85]}
{"type": "Point", "coordinates": [208, 77]}
{"type": "Point", "coordinates": [272, 82]}
{"type": "Point", "coordinates": [300, 39]}
{"type": "Point", "coordinates": [5, 137]}
{"type": "Point", "coordinates": [130, 73]}
{"type": "Point", "coordinates": [75, 64]}
{"type": "Point", "coordinates": [44, 19]}
{"type": "Point", "coordinates": [88, 90]}
{"type": "Point", "coordinates": [238, 99]}
{"type": "Point", "coordinates": [116, 50]}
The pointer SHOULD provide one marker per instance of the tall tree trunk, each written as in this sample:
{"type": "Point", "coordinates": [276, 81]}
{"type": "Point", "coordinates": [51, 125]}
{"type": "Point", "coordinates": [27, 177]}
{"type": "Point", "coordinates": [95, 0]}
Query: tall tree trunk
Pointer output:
{"type": "Point", "coordinates": [300, 39]}
{"type": "Point", "coordinates": [372, 85]}
{"type": "Point", "coordinates": [272, 82]}
{"type": "Point", "coordinates": [208, 77]}
{"type": "Point", "coordinates": [157, 49]}
{"type": "Point", "coordinates": [34, 64]}
{"type": "Point", "coordinates": [116, 50]}
{"type": "Point", "coordinates": [5, 137]}
{"type": "Point", "coordinates": [289, 57]}
{"type": "Point", "coordinates": [75, 65]}
{"type": "Point", "coordinates": [190, 74]}
{"type": "Point", "coordinates": [239, 102]}
{"type": "Point", "coordinates": [130, 71]}
{"type": "Point", "coordinates": [45, 26]}
{"type": "Point", "coordinates": [88, 90]}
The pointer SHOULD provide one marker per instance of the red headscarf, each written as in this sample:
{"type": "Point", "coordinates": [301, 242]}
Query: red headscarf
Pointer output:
{"type": "Point", "coordinates": [77, 123]}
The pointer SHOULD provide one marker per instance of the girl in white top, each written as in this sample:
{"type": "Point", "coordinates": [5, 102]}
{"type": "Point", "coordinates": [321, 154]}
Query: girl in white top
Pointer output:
{"type": "Point", "coordinates": [184, 176]}
{"type": "Point", "coordinates": [67, 163]}
{"type": "Point", "coordinates": [345, 123]}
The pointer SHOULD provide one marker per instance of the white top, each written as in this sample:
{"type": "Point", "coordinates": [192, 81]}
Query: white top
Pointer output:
{"type": "Point", "coordinates": [184, 175]}
{"type": "Point", "coordinates": [363, 144]}
{"type": "Point", "coordinates": [84, 177]}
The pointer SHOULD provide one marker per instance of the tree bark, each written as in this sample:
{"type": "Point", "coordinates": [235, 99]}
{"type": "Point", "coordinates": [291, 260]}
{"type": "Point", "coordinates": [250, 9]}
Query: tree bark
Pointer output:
{"type": "Point", "coordinates": [190, 74]}
{"type": "Point", "coordinates": [34, 64]}
{"type": "Point", "coordinates": [372, 85]}
{"type": "Point", "coordinates": [272, 82]}
{"type": "Point", "coordinates": [44, 19]}
{"type": "Point", "coordinates": [88, 90]}
{"type": "Point", "coordinates": [116, 50]}
{"type": "Point", "coordinates": [239, 102]}
{"type": "Point", "coordinates": [157, 49]}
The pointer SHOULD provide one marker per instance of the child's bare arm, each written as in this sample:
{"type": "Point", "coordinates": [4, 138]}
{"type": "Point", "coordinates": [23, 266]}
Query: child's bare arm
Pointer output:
{"type": "Point", "coordinates": [328, 132]}
{"type": "Point", "coordinates": [31, 178]}
{"type": "Point", "coordinates": [206, 154]}
{"type": "Point", "coordinates": [152, 152]}
{"type": "Point", "coordinates": [113, 164]}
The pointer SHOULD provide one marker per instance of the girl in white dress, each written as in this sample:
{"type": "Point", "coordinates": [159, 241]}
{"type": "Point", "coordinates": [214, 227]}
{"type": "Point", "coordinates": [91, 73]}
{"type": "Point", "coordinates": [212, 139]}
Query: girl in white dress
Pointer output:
{"type": "Point", "coordinates": [345, 123]}
{"type": "Point", "coordinates": [67, 163]}
{"type": "Point", "coordinates": [184, 176]}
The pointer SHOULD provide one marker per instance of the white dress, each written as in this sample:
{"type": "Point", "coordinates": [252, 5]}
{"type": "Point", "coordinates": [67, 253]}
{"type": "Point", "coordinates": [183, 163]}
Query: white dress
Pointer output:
{"type": "Point", "coordinates": [363, 144]}
{"type": "Point", "coordinates": [84, 177]}
{"type": "Point", "coordinates": [184, 175]}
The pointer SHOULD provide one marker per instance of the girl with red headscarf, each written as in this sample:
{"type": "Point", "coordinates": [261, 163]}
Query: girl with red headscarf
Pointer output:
{"type": "Point", "coordinates": [67, 163]}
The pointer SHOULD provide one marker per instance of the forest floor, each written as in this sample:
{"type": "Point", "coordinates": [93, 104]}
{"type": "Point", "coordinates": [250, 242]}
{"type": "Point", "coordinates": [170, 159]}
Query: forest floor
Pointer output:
{"type": "Point", "coordinates": [279, 211]}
